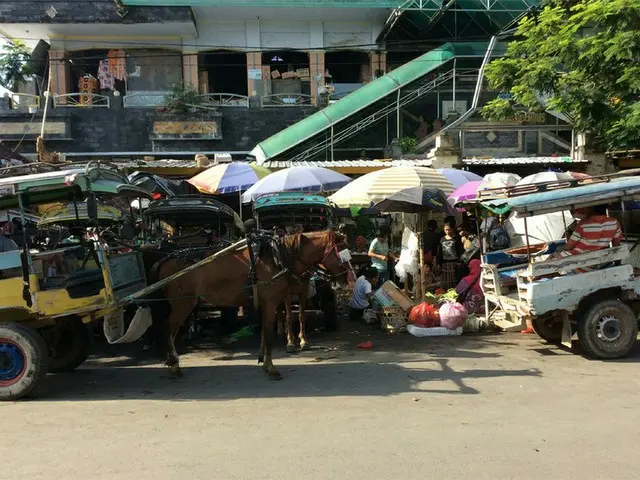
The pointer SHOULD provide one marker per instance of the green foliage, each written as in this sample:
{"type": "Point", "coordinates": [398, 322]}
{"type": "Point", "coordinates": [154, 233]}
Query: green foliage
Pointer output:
{"type": "Point", "coordinates": [14, 56]}
{"type": "Point", "coordinates": [580, 58]}
{"type": "Point", "coordinates": [182, 98]}
{"type": "Point", "coordinates": [408, 144]}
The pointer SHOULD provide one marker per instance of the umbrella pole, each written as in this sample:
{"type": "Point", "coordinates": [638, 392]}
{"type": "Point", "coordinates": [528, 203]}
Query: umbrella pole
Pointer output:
{"type": "Point", "coordinates": [240, 199]}
{"type": "Point", "coordinates": [420, 292]}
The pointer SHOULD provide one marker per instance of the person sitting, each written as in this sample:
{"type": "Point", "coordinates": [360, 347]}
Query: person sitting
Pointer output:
{"type": "Point", "coordinates": [362, 293]}
{"type": "Point", "coordinates": [594, 231]}
{"type": "Point", "coordinates": [469, 292]}
{"type": "Point", "coordinates": [7, 244]}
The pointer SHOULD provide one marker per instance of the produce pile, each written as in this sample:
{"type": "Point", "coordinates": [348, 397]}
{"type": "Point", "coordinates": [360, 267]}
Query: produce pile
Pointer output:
{"type": "Point", "coordinates": [439, 309]}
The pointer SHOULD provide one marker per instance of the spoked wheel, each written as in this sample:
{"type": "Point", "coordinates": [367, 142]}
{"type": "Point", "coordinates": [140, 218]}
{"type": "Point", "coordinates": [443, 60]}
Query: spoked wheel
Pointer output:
{"type": "Point", "coordinates": [23, 360]}
{"type": "Point", "coordinates": [69, 345]}
{"type": "Point", "coordinates": [608, 330]}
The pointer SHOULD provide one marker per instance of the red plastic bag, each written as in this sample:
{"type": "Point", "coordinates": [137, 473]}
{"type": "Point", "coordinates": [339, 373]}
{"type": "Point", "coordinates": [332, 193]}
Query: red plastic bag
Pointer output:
{"type": "Point", "coordinates": [452, 315]}
{"type": "Point", "coordinates": [424, 315]}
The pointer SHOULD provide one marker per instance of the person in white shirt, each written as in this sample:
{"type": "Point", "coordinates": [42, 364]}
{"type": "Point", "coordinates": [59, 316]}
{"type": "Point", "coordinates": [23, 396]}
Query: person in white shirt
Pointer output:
{"type": "Point", "coordinates": [362, 293]}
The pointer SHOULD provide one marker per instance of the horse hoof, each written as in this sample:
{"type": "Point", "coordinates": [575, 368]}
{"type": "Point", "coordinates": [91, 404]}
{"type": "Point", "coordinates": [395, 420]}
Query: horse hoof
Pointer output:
{"type": "Point", "coordinates": [175, 370]}
{"type": "Point", "coordinates": [305, 346]}
{"type": "Point", "coordinates": [291, 349]}
{"type": "Point", "coordinates": [275, 375]}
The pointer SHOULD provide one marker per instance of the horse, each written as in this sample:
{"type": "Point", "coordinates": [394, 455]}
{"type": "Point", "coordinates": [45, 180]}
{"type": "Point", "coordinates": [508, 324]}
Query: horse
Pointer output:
{"type": "Point", "coordinates": [225, 282]}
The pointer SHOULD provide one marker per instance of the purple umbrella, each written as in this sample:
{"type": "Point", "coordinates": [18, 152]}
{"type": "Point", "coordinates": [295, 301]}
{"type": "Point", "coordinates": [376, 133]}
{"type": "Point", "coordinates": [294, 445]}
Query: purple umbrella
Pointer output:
{"type": "Point", "coordinates": [465, 192]}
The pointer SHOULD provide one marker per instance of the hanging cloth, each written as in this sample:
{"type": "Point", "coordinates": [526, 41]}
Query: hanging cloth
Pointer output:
{"type": "Point", "coordinates": [117, 64]}
{"type": "Point", "coordinates": [104, 76]}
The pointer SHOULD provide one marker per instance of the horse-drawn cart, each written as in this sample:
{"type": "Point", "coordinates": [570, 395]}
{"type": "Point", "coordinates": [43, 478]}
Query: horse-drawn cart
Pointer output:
{"type": "Point", "coordinates": [47, 296]}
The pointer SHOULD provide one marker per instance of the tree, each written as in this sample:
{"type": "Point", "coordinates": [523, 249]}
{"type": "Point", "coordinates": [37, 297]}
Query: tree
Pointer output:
{"type": "Point", "coordinates": [13, 64]}
{"type": "Point", "coordinates": [580, 58]}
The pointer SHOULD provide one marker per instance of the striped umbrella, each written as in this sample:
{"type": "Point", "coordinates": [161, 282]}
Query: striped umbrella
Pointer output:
{"type": "Point", "coordinates": [376, 186]}
{"type": "Point", "coordinates": [228, 177]}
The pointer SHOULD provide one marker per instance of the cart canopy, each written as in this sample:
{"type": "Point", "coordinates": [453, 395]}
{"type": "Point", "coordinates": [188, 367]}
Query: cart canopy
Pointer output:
{"type": "Point", "coordinates": [615, 190]}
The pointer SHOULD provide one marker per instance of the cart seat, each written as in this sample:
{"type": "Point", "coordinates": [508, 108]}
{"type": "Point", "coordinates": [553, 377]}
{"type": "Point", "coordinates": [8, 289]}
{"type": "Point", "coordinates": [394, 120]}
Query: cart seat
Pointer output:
{"type": "Point", "coordinates": [84, 283]}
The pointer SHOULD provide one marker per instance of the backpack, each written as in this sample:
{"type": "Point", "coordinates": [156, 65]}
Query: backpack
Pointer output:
{"type": "Point", "coordinates": [498, 239]}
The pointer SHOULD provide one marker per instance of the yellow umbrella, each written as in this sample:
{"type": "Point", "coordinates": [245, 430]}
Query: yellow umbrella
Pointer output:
{"type": "Point", "coordinates": [376, 186]}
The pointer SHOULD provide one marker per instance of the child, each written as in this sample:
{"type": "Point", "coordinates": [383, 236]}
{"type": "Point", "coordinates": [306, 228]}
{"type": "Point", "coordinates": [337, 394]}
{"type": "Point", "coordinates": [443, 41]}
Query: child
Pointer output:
{"type": "Point", "coordinates": [362, 292]}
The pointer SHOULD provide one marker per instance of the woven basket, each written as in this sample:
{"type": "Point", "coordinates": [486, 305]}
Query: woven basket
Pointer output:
{"type": "Point", "coordinates": [393, 319]}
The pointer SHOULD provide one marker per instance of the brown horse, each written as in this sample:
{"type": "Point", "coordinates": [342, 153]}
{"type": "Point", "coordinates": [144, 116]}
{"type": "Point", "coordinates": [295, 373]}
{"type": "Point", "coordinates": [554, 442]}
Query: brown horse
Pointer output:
{"type": "Point", "coordinates": [224, 282]}
{"type": "Point", "coordinates": [301, 290]}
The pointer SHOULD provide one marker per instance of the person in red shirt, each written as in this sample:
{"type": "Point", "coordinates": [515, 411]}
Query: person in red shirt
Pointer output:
{"type": "Point", "coordinates": [594, 231]}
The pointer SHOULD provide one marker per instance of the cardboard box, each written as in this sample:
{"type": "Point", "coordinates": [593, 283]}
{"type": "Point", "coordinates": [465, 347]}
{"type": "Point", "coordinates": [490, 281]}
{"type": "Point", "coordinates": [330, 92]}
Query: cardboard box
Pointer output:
{"type": "Point", "coordinates": [286, 75]}
{"type": "Point", "coordinates": [275, 74]}
{"type": "Point", "coordinates": [389, 295]}
{"type": "Point", "coordinates": [303, 72]}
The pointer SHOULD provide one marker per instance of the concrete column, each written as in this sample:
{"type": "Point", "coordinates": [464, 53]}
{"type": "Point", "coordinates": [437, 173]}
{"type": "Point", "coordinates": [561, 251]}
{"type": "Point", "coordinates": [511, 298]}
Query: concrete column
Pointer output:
{"type": "Point", "coordinates": [190, 70]}
{"type": "Point", "coordinates": [598, 164]}
{"type": "Point", "coordinates": [254, 69]}
{"type": "Point", "coordinates": [60, 73]}
{"type": "Point", "coordinates": [378, 64]}
{"type": "Point", "coordinates": [316, 72]}
{"type": "Point", "coordinates": [445, 154]}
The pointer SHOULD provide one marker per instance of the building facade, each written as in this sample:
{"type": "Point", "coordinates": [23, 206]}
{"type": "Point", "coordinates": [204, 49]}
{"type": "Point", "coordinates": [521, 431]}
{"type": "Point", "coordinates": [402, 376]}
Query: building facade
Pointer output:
{"type": "Point", "coordinates": [253, 68]}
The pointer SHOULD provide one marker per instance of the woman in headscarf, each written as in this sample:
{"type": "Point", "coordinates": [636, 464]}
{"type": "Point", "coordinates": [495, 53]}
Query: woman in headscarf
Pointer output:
{"type": "Point", "coordinates": [469, 292]}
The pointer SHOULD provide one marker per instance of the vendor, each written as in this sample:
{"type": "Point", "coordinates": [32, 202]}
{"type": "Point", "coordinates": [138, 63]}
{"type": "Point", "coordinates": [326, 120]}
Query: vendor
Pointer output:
{"type": "Point", "coordinates": [469, 291]}
{"type": "Point", "coordinates": [380, 253]}
{"type": "Point", "coordinates": [362, 293]}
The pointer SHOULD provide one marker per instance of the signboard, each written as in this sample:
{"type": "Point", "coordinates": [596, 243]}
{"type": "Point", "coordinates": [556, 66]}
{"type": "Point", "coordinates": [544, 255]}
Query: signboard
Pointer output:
{"type": "Point", "coordinates": [187, 130]}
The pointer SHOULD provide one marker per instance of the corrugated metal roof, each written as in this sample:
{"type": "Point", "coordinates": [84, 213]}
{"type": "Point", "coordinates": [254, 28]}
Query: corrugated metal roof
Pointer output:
{"type": "Point", "coordinates": [519, 160]}
{"type": "Point", "coordinates": [276, 164]}
{"type": "Point", "coordinates": [168, 163]}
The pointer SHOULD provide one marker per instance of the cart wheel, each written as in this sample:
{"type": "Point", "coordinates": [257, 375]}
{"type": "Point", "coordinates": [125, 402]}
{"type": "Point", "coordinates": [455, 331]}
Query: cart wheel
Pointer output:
{"type": "Point", "coordinates": [69, 345]}
{"type": "Point", "coordinates": [23, 360]}
{"type": "Point", "coordinates": [608, 330]}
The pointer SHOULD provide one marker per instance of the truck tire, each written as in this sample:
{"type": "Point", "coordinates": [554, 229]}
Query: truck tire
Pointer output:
{"type": "Point", "coordinates": [608, 329]}
{"type": "Point", "coordinates": [547, 328]}
{"type": "Point", "coordinates": [23, 360]}
{"type": "Point", "coordinates": [73, 345]}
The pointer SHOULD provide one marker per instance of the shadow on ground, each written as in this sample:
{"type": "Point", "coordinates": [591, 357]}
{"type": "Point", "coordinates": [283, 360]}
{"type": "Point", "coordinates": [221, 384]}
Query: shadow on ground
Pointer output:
{"type": "Point", "coordinates": [334, 367]}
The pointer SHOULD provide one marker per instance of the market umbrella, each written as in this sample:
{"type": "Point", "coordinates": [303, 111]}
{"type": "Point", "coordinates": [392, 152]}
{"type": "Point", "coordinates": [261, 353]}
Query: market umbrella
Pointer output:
{"type": "Point", "coordinates": [459, 177]}
{"type": "Point", "coordinates": [499, 180]}
{"type": "Point", "coordinates": [415, 200]}
{"type": "Point", "coordinates": [228, 177]}
{"type": "Point", "coordinates": [540, 228]}
{"type": "Point", "coordinates": [376, 186]}
{"type": "Point", "coordinates": [297, 179]}
{"type": "Point", "coordinates": [465, 192]}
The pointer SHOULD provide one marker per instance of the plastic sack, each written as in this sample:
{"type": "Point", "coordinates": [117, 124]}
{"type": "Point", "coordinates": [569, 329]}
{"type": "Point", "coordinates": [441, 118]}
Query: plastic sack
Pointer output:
{"type": "Point", "coordinates": [408, 260]}
{"type": "Point", "coordinates": [424, 315]}
{"type": "Point", "coordinates": [452, 315]}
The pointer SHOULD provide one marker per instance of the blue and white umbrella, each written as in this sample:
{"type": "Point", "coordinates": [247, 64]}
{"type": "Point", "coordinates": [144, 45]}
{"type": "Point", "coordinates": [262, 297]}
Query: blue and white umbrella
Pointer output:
{"type": "Point", "coordinates": [297, 179]}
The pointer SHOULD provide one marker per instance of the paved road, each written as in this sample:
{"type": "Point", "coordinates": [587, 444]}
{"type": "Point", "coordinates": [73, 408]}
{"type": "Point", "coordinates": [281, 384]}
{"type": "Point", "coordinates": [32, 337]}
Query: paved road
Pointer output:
{"type": "Point", "coordinates": [473, 407]}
